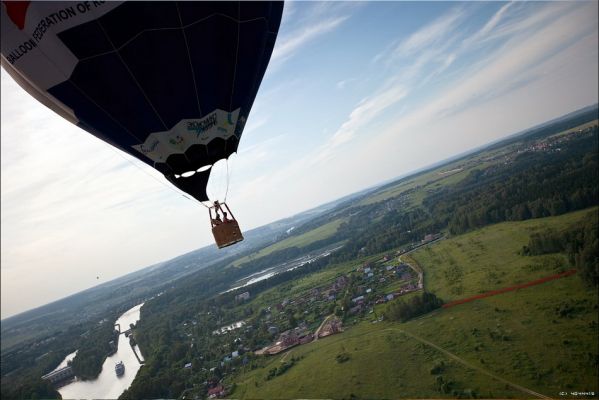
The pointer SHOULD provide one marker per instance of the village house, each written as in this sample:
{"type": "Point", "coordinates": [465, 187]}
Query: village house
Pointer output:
{"type": "Point", "coordinates": [356, 309]}
{"type": "Point", "coordinates": [340, 283]}
{"type": "Point", "coordinates": [288, 338]}
{"type": "Point", "coordinates": [306, 338]}
{"type": "Point", "coordinates": [358, 299]}
{"type": "Point", "coordinates": [218, 391]}
{"type": "Point", "coordinates": [243, 296]}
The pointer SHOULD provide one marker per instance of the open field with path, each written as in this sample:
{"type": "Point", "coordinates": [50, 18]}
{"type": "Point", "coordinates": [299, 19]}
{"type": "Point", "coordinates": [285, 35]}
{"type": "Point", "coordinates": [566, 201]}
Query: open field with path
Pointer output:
{"type": "Point", "coordinates": [533, 342]}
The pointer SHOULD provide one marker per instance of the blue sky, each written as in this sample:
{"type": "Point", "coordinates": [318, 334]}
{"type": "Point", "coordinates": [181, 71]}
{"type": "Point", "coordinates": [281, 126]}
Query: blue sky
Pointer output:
{"type": "Point", "coordinates": [355, 94]}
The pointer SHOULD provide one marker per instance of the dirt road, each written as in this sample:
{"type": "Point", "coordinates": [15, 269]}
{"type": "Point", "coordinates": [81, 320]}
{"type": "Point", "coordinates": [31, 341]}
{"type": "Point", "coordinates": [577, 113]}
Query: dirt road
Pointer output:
{"type": "Point", "coordinates": [470, 365]}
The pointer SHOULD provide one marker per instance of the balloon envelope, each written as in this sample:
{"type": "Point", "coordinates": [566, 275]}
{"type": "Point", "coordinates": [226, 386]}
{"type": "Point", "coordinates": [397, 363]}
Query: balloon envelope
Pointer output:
{"type": "Point", "coordinates": [170, 83]}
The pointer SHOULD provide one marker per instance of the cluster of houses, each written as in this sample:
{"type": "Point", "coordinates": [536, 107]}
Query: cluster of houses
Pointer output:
{"type": "Point", "coordinates": [292, 337]}
{"type": "Point", "coordinates": [217, 392]}
{"type": "Point", "coordinates": [552, 143]}
{"type": "Point", "coordinates": [374, 276]}
{"type": "Point", "coordinates": [330, 327]}
{"type": "Point", "coordinates": [327, 293]}
{"type": "Point", "coordinates": [245, 296]}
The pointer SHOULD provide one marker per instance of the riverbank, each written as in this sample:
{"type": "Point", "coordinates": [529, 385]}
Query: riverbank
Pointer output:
{"type": "Point", "coordinates": [107, 385]}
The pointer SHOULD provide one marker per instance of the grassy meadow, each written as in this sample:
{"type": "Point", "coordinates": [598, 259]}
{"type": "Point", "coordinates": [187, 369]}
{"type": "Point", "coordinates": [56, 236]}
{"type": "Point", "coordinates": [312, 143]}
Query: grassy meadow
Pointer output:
{"type": "Point", "coordinates": [322, 232]}
{"type": "Point", "coordinates": [489, 258]}
{"type": "Point", "coordinates": [382, 363]}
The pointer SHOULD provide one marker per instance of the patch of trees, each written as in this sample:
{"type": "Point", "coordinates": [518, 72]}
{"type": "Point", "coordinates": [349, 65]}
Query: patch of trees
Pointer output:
{"type": "Point", "coordinates": [280, 370]}
{"type": "Point", "coordinates": [342, 357]}
{"type": "Point", "coordinates": [31, 389]}
{"type": "Point", "coordinates": [370, 231]}
{"type": "Point", "coordinates": [403, 311]}
{"type": "Point", "coordinates": [87, 364]}
{"type": "Point", "coordinates": [23, 366]}
{"type": "Point", "coordinates": [580, 243]}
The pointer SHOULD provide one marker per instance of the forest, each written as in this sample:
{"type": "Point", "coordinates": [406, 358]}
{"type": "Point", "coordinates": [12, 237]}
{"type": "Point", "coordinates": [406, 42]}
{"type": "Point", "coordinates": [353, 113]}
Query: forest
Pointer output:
{"type": "Point", "coordinates": [535, 185]}
{"type": "Point", "coordinates": [403, 311]}
{"type": "Point", "coordinates": [581, 244]}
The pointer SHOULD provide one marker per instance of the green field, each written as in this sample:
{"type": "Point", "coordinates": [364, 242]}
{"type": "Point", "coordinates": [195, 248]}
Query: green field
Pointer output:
{"type": "Point", "coordinates": [541, 338]}
{"type": "Point", "coordinates": [322, 232]}
{"type": "Point", "coordinates": [383, 363]}
{"type": "Point", "coordinates": [489, 258]}
{"type": "Point", "coordinates": [441, 176]}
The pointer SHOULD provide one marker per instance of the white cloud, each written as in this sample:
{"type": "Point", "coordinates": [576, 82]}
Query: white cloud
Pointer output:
{"type": "Point", "coordinates": [518, 20]}
{"type": "Point", "coordinates": [520, 60]}
{"type": "Point", "coordinates": [432, 34]}
{"type": "Point", "coordinates": [343, 83]}
{"type": "Point", "coordinates": [492, 23]}
{"type": "Point", "coordinates": [366, 111]}
{"type": "Point", "coordinates": [287, 46]}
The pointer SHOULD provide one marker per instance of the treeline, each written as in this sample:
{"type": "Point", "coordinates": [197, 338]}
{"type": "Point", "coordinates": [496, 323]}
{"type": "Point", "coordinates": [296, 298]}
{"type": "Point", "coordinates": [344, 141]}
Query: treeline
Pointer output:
{"type": "Point", "coordinates": [374, 230]}
{"type": "Point", "coordinates": [34, 388]}
{"type": "Point", "coordinates": [22, 369]}
{"type": "Point", "coordinates": [534, 185]}
{"type": "Point", "coordinates": [580, 243]}
{"type": "Point", "coordinates": [401, 310]}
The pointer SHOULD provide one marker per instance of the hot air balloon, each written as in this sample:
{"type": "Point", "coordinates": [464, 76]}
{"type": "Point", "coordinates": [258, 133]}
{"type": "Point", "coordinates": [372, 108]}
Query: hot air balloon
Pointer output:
{"type": "Point", "coordinates": [170, 83]}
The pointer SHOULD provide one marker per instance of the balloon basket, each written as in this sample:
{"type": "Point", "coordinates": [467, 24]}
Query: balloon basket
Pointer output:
{"type": "Point", "coordinates": [226, 232]}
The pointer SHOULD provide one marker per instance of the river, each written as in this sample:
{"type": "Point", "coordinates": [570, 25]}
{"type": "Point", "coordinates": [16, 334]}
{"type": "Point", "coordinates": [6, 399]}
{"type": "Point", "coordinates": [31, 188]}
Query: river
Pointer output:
{"type": "Point", "coordinates": [283, 267]}
{"type": "Point", "coordinates": [107, 385]}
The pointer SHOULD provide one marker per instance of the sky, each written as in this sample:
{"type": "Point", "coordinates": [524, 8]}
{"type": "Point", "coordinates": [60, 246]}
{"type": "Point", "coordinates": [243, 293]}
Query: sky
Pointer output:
{"type": "Point", "coordinates": [356, 93]}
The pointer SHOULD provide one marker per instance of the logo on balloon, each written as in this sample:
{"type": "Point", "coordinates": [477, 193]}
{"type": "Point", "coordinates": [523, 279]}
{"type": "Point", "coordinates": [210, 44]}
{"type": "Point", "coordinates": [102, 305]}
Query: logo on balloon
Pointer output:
{"type": "Point", "coordinates": [17, 11]}
{"type": "Point", "coordinates": [176, 140]}
{"type": "Point", "coordinates": [202, 125]}
{"type": "Point", "coordinates": [149, 148]}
